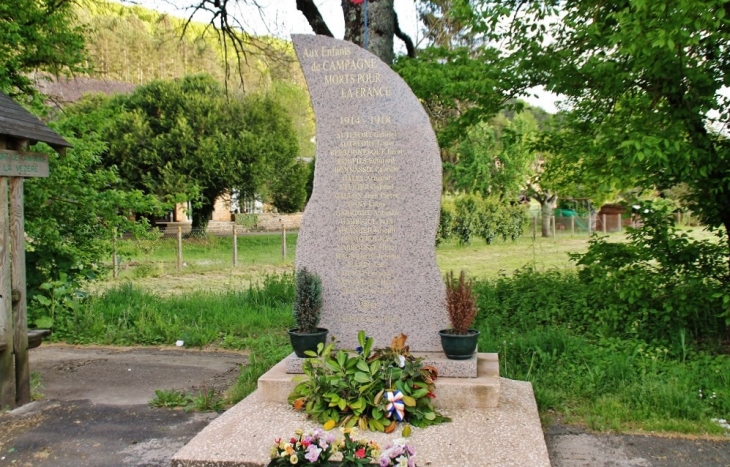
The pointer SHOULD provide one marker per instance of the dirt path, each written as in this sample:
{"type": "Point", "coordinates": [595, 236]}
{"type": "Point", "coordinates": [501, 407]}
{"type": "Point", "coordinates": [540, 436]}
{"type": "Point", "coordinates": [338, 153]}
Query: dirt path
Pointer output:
{"type": "Point", "coordinates": [96, 413]}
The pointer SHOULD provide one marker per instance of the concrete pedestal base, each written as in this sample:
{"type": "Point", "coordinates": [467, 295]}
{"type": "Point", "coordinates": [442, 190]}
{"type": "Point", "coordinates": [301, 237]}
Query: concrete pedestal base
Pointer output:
{"type": "Point", "coordinates": [495, 423]}
{"type": "Point", "coordinates": [509, 435]}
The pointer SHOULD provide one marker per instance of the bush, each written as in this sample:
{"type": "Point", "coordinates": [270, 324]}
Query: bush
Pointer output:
{"type": "Point", "coordinates": [661, 282]}
{"type": "Point", "coordinates": [489, 218]}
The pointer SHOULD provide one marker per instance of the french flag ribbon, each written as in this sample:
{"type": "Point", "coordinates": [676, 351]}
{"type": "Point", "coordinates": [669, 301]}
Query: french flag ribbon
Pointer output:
{"type": "Point", "coordinates": [395, 405]}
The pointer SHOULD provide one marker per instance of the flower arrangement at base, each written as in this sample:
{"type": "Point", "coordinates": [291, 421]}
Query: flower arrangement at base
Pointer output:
{"type": "Point", "coordinates": [305, 449]}
{"type": "Point", "coordinates": [357, 453]}
{"type": "Point", "coordinates": [399, 454]}
{"type": "Point", "coordinates": [370, 389]}
{"type": "Point", "coordinates": [318, 447]}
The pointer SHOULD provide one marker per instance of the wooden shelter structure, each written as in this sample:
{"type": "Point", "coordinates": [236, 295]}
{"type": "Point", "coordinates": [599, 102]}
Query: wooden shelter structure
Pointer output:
{"type": "Point", "coordinates": [18, 130]}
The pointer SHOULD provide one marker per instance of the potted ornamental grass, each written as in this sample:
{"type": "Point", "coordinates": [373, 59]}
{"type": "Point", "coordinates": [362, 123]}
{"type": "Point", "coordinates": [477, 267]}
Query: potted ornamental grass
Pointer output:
{"type": "Point", "coordinates": [307, 309]}
{"type": "Point", "coordinates": [460, 341]}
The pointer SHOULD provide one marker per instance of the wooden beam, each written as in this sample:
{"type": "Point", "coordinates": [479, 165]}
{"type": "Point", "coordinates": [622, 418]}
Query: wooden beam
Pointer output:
{"type": "Point", "coordinates": [20, 312]}
{"type": "Point", "coordinates": [7, 372]}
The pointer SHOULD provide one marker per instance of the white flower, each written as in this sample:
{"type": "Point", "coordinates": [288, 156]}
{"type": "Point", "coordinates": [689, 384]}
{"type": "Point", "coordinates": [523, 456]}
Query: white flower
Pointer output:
{"type": "Point", "coordinates": [401, 361]}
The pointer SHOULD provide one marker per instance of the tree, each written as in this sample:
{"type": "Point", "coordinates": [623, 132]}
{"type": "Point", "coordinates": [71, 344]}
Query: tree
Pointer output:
{"type": "Point", "coordinates": [182, 139]}
{"type": "Point", "coordinates": [232, 30]}
{"type": "Point", "coordinates": [496, 159]}
{"type": "Point", "coordinates": [645, 84]}
{"type": "Point", "coordinates": [74, 215]}
{"type": "Point", "coordinates": [37, 35]}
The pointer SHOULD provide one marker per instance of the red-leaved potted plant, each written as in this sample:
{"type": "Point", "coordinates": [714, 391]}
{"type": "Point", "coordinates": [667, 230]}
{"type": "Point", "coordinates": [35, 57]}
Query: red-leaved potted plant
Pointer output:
{"type": "Point", "coordinates": [460, 342]}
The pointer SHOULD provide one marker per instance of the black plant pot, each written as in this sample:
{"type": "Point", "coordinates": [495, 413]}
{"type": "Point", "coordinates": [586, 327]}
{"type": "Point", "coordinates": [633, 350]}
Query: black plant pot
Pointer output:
{"type": "Point", "coordinates": [303, 341]}
{"type": "Point", "coordinates": [459, 346]}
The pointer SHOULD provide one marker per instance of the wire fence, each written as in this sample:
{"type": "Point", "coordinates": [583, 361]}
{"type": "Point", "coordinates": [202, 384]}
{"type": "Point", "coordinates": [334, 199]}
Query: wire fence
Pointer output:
{"type": "Point", "coordinates": [597, 223]}
{"type": "Point", "coordinates": [184, 247]}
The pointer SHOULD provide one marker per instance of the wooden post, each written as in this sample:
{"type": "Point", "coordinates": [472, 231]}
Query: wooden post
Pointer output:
{"type": "Point", "coordinates": [283, 242]}
{"type": "Point", "coordinates": [17, 254]}
{"type": "Point", "coordinates": [235, 245]}
{"type": "Point", "coordinates": [534, 228]}
{"type": "Point", "coordinates": [589, 223]}
{"type": "Point", "coordinates": [179, 248]}
{"type": "Point", "coordinates": [603, 222]}
{"type": "Point", "coordinates": [618, 222]}
{"type": "Point", "coordinates": [7, 372]}
{"type": "Point", "coordinates": [552, 218]}
{"type": "Point", "coordinates": [115, 258]}
{"type": "Point", "coordinates": [572, 225]}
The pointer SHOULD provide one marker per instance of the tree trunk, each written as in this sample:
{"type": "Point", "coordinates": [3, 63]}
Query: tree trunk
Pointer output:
{"type": "Point", "coordinates": [201, 216]}
{"type": "Point", "coordinates": [547, 212]}
{"type": "Point", "coordinates": [381, 26]}
{"type": "Point", "coordinates": [726, 223]}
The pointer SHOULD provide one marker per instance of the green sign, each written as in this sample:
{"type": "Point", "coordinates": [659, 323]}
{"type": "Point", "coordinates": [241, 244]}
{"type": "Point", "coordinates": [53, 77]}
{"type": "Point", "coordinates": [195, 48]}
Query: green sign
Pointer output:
{"type": "Point", "coordinates": [23, 164]}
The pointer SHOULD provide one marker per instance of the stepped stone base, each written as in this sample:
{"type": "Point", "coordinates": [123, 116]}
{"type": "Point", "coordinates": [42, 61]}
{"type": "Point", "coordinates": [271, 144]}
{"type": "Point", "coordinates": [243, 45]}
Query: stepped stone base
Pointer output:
{"type": "Point", "coordinates": [452, 393]}
{"type": "Point", "coordinates": [509, 435]}
{"type": "Point", "coordinates": [446, 368]}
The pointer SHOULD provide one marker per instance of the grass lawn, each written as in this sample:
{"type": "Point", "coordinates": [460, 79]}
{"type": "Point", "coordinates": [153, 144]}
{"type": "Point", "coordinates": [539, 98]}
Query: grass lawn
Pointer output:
{"type": "Point", "coordinates": [208, 264]}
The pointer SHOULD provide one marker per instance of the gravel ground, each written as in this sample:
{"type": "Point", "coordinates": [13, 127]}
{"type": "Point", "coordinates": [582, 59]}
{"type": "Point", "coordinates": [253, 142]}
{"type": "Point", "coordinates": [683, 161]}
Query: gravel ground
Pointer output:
{"type": "Point", "coordinates": [96, 413]}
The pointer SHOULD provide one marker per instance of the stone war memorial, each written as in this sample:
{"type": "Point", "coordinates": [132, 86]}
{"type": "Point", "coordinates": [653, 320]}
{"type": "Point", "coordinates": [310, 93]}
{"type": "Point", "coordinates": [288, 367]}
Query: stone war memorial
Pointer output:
{"type": "Point", "coordinates": [369, 232]}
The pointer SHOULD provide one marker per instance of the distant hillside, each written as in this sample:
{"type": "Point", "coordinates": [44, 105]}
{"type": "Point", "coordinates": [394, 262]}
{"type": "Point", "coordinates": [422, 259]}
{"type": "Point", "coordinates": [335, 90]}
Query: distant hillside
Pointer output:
{"type": "Point", "coordinates": [136, 45]}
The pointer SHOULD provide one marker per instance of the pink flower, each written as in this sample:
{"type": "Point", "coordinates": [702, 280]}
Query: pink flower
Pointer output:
{"type": "Point", "coordinates": [360, 453]}
{"type": "Point", "coordinates": [357, 2]}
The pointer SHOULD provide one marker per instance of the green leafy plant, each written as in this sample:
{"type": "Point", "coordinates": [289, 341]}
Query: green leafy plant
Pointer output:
{"type": "Point", "coordinates": [206, 400]}
{"type": "Point", "coordinates": [307, 300]}
{"type": "Point", "coordinates": [169, 398]}
{"type": "Point", "coordinates": [55, 303]}
{"type": "Point", "coordinates": [460, 302]}
{"type": "Point", "coordinates": [370, 389]}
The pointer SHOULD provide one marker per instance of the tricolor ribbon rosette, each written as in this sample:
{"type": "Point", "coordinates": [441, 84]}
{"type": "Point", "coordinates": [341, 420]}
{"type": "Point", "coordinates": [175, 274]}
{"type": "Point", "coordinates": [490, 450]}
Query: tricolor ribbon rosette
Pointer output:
{"type": "Point", "coordinates": [395, 405]}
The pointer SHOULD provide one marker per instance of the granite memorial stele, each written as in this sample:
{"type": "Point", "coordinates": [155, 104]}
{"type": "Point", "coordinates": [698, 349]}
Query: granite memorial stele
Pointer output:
{"type": "Point", "coordinates": [369, 228]}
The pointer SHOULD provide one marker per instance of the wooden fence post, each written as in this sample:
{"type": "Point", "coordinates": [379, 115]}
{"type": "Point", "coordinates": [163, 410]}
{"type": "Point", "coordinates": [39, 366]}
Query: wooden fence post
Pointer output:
{"type": "Point", "coordinates": [179, 249]}
{"type": "Point", "coordinates": [235, 245]}
{"type": "Point", "coordinates": [7, 379]}
{"type": "Point", "coordinates": [618, 222]}
{"type": "Point", "coordinates": [589, 223]}
{"type": "Point", "coordinates": [603, 222]}
{"type": "Point", "coordinates": [534, 228]}
{"type": "Point", "coordinates": [572, 225]}
{"type": "Point", "coordinates": [283, 242]}
{"type": "Point", "coordinates": [115, 258]}
{"type": "Point", "coordinates": [17, 253]}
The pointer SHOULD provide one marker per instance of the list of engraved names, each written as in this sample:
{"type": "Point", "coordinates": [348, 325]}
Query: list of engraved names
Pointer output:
{"type": "Point", "coordinates": [366, 157]}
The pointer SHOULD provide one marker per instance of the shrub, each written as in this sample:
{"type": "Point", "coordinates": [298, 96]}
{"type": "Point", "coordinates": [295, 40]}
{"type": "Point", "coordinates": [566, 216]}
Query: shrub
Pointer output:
{"type": "Point", "coordinates": [307, 301]}
{"type": "Point", "coordinates": [460, 302]}
{"type": "Point", "coordinates": [488, 218]}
